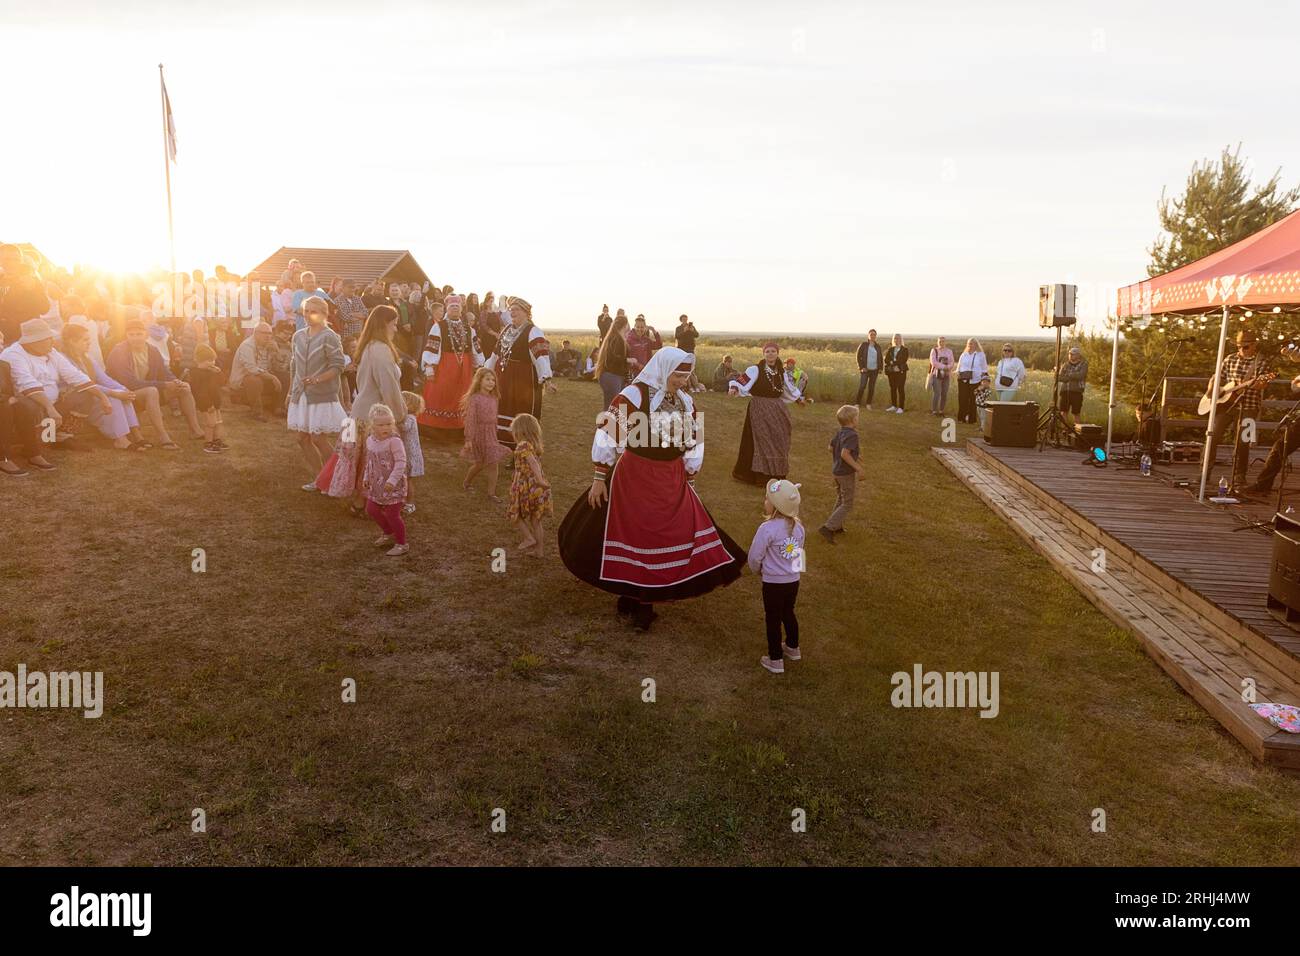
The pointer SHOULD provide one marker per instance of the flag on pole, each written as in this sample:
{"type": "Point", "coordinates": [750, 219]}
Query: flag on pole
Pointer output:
{"type": "Point", "coordinates": [171, 123]}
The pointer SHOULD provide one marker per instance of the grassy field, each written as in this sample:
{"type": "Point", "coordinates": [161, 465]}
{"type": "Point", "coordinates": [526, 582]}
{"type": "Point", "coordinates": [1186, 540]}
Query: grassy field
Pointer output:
{"type": "Point", "coordinates": [521, 690]}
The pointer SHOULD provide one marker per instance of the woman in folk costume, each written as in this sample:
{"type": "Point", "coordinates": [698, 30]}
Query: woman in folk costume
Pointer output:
{"type": "Point", "coordinates": [522, 362]}
{"type": "Point", "coordinates": [765, 442]}
{"type": "Point", "coordinates": [641, 531]}
{"type": "Point", "coordinates": [451, 353]}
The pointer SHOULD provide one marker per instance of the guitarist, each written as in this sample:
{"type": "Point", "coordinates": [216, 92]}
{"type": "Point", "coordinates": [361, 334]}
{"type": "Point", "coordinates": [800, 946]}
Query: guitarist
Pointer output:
{"type": "Point", "coordinates": [1287, 440]}
{"type": "Point", "coordinates": [1244, 366]}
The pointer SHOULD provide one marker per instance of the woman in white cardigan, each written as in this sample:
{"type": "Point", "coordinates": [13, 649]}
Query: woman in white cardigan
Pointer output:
{"type": "Point", "coordinates": [1010, 375]}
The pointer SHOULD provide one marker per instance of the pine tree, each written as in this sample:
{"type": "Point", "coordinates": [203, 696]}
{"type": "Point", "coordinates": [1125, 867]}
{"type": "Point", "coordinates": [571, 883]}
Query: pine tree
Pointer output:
{"type": "Point", "coordinates": [1219, 206]}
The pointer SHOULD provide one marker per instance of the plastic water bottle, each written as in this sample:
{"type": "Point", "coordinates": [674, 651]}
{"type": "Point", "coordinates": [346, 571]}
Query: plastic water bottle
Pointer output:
{"type": "Point", "coordinates": [1223, 487]}
{"type": "Point", "coordinates": [1144, 466]}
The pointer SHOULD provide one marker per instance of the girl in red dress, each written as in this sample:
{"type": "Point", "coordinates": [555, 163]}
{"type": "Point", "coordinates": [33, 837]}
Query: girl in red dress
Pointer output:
{"type": "Point", "coordinates": [641, 531]}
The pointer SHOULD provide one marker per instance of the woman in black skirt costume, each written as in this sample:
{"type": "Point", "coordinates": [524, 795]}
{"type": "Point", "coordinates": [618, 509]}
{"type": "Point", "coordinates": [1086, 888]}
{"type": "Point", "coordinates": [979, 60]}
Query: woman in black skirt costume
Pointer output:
{"type": "Point", "coordinates": [641, 532]}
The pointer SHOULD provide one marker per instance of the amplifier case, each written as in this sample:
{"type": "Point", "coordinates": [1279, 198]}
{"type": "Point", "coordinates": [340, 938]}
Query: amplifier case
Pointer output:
{"type": "Point", "coordinates": [1012, 424]}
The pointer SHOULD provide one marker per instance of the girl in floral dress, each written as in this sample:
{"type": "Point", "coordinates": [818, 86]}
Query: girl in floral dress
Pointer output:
{"type": "Point", "coordinates": [482, 449]}
{"type": "Point", "coordinates": [530, 492]}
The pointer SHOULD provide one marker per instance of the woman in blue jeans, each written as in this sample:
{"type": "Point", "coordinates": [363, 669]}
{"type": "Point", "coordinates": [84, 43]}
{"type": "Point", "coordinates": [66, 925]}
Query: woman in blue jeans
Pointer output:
{"type": "Point", "coordinates": [611, 369]}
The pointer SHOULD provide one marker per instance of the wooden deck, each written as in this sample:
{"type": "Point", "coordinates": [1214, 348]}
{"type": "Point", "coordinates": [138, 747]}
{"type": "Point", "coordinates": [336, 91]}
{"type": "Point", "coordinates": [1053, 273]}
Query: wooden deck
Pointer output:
{"type": "Point", "coordinates": [1189, 580]}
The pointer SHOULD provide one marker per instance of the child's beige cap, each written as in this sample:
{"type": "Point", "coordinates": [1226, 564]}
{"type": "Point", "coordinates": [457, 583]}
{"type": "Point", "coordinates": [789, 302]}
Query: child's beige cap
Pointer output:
{"type": "Point", "coordinates": [784, 496]}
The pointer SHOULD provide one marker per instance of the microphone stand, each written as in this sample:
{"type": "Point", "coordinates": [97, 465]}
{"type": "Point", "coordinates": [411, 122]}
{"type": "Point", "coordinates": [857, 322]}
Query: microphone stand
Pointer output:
{"type": "Point", "coordinates": [1285, 424]}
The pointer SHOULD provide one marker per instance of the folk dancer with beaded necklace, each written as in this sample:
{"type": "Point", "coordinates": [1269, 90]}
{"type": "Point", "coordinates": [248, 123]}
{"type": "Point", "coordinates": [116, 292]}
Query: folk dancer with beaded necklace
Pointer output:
{"type": "Point", "coordinates": [765, 441]}
{"type": "Point", "coordinates": [641, 531]}
{"type": "Point", "coordinates": [522, 362]}
{"type": "Point", "coordinates": [451, 353]}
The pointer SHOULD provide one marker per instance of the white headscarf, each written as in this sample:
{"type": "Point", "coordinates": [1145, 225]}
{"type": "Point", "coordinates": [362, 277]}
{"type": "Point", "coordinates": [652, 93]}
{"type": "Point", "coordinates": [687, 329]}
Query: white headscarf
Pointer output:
{"type": "Point", "coordinates": [655, 375]}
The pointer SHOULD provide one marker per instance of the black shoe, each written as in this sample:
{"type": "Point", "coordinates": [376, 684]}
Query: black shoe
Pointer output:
{"type": "Point", "coordinates": [644, 616]}
{"type": "Point", "coordinates": [626, 606]}
{"type": "Point", "coordinates": [828, 534]}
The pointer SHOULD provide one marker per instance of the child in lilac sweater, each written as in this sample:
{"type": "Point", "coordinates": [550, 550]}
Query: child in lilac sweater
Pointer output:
{"type": "Point", "coordinates": [777, 556]}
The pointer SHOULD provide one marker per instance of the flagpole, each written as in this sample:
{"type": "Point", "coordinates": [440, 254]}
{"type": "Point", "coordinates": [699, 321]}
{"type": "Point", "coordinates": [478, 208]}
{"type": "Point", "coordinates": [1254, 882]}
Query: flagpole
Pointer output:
{"type": "Point", "coordinates": [167, 167]}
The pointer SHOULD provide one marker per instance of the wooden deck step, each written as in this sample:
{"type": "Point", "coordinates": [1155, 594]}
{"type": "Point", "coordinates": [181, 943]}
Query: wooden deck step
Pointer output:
{"type": "Point", "coordinates": [1202, 657]}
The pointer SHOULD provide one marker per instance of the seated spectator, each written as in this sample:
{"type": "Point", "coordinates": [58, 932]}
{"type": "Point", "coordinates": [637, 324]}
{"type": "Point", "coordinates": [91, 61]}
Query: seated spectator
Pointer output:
{"type": "Point", "coordinates": [10, 428]}
{"type": "Point", "coordinates": [252, 376]}
{"type": "Point", "coordinates": [74, 313]}
{"type": "Point", "coordinates": [589, 369]}
{"type": "Point", "coordinates": [141, 368]}
{"type": "Point", "coordinates": [797, 375]}
{"type": "Point", "coordinates": [566, 361]}
{"type": "Point", "coordinates": [119, 424]}
{"type": "Point", "coordinates": [724, 374]}
{"type": "Point", "coordinates": [47, 386]}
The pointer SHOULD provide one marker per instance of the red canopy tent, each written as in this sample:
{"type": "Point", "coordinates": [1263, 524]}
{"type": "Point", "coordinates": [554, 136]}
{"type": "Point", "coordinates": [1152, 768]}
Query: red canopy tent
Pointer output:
{"type": "Point", "coordinates": [1262, 270]}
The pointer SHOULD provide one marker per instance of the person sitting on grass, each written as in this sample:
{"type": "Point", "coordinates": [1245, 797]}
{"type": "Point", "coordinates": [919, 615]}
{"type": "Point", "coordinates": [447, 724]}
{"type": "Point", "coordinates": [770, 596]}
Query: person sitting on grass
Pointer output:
{"type": "Point", "coordinates": [120, 424]}
{"type": "Point", "coordinates": [47, 386]}
{"type": "Point", "coordinates": [724, 374]}
{"type": "Point", "coordinates": [566, 361]}
{"type": "Point", "coordinates": [252, 376]}
{"type": "Point", "coordinates": [846, 470]}
{"type": "Point", "coordinates": [141, 368]}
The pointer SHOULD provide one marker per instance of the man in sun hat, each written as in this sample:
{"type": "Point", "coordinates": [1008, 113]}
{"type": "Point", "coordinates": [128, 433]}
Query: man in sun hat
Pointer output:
{"type": "Point", "coordinates": [46, 385]}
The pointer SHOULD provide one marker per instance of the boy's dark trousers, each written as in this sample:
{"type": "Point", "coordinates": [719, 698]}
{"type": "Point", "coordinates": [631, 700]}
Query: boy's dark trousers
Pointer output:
{"type": "Point", "coordinates": [778, 610]}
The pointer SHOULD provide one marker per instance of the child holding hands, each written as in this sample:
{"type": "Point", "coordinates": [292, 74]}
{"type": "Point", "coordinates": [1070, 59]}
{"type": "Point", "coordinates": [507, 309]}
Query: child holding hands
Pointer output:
{"type": "Point", "coordinates": [384, 479]}
{"type": "Point", "coordinates": [530, 492]}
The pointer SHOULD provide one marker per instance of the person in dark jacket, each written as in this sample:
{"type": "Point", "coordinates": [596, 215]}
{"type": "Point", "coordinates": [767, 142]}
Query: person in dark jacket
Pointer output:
{"type": "Point", "coordinates": [870, 362]}
{"type": "Point", "coordinates": [22, 294]}
{"type": "Point", "coordinates": [896, 357]}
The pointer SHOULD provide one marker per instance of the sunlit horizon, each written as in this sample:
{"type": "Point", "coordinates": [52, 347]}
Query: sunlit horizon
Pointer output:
{"type": "Point", "coordinates": [778, 168]}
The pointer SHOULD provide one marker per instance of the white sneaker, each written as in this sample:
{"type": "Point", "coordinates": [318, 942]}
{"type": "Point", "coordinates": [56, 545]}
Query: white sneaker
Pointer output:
{"type": "Point", "coordinates": [898, 411]}
{"type": "Point", "coordinates": [776, 667]}
{"type": "Point", "coordinates": [790, 653]}
{"type": "Point", "coordinates": [891, 408]}
{"type": "Point", "coordinates": [310, 486]}
{"type": "Point", "coordinates": [397, 550]}
{"type": "Point", "coordinates": [868, 408]}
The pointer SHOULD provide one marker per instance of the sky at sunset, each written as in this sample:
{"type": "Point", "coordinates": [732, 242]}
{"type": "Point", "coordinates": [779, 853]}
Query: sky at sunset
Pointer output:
{"type": "Point", "coordinates": [763, 166]}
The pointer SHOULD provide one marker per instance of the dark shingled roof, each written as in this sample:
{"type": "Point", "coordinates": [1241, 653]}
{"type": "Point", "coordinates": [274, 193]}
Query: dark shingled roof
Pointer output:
{"type": "Point", "coordinates": [363, 265]}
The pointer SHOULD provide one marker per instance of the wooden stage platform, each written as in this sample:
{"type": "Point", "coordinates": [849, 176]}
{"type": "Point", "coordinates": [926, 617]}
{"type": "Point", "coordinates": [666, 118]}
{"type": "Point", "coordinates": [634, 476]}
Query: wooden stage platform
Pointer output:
{"type": "Point", "coordinates": [1189, 580]}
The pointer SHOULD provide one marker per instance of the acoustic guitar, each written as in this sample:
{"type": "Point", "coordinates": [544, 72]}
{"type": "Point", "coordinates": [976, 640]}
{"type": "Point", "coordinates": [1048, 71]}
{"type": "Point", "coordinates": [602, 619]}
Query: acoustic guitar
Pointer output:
{"type": "Point", "coordinates": [1229, 395]}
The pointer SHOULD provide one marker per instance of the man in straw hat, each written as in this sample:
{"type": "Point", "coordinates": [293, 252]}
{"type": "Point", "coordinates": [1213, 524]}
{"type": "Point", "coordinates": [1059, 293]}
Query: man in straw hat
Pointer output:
{"type": "Point", "coordinates": [47, 386]}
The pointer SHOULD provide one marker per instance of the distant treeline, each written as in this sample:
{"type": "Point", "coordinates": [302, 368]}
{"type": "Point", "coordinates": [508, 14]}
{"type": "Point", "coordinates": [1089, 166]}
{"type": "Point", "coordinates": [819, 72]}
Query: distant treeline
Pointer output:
{"type": "Point", "coordinates": [1036, 353]}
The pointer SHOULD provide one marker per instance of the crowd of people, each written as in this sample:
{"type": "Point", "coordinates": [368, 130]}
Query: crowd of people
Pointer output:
{"type": "Point", "coordinates": [359, 373]}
